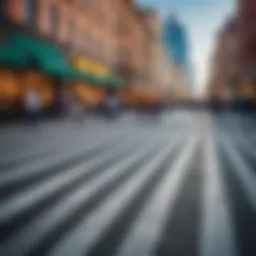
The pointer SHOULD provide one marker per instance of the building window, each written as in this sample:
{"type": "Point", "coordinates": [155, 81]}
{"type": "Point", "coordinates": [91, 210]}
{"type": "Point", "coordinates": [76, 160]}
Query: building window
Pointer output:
{"type": "Point", "coordinates": [30, 11]}
{"type": "Point", "coordinates": [54, 20]}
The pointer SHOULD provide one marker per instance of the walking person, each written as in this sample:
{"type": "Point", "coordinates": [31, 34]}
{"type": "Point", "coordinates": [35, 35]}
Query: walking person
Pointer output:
{"type": "Point", "coordinates": [112, 106]}
{"type": "Point", "coordinates": [33, 105]}
{"type": "Point", "coordinates": [78, 112]}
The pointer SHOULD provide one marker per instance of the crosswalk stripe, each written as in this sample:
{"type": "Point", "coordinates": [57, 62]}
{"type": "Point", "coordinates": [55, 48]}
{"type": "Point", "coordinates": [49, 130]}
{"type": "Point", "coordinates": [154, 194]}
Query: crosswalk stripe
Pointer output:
{"type": "Point", "coordinates": [245, 140]}
{"type": "Point", "coordinates": [217, 234]}
{"type": "Point", "coordinates": [39, 148]}
{"type": "Point", "coordinates": [25, 199]}
{"type": "Point", "coordinates": [121, 202]}
{"type": "Point", "coordinates": [243, 212]}
{"type": "Point", "coordinates": [245, 145]}
{"type": "Point", "coordinates": [87, 207]}
{"type": "Point", "coordinates": [48, 144]}
{"type": "Point", "coordinates": [27, 146]}
{"type": "Point", "coordinates": [67, 207]}
{"type": "Point", "coordinates": [145, 233]}
{"type": "Point", "coordinates": [53, 161]}
{"type": "Point", "coordinates": [244, 174]}
{"type": "Point", "coordinates": [246, 150]}
{"type": "Point", "coordinates": [90, 229]}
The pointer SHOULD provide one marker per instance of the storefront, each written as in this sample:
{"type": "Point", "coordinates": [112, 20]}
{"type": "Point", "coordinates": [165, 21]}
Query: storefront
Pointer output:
{"type": "Point", "coordinates": [93, 91]}
{"type": "Point", "coordinates": [27, 63]}
{"type": "Point", "coordinates": [30, 61]}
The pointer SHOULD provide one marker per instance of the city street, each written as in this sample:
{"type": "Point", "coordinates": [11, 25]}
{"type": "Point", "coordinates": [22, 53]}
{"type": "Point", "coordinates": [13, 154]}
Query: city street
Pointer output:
{"type": "Point", "coordinates": [180, 184]}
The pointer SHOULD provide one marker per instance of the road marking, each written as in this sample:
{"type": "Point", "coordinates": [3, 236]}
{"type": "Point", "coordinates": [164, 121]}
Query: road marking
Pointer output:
{"type": "Point", "coordinates": [22, 242]}
{"type": "Point", "coordinates": [146, 231]}
{"type": "Point", "coordinates": [217, 234]}
{"type": "Point", "coordinates": [246, 144]}
{"type": "Point", "coordinates": [80, 240]}
{"type": "Point", "coordinates": [44, 142]}
{"type": "Point", "coordinates": [246, 177]}
{"type": "Point", "coordinates": [38, 167]}
{"type": "Point", "coordinates": [25, 199]}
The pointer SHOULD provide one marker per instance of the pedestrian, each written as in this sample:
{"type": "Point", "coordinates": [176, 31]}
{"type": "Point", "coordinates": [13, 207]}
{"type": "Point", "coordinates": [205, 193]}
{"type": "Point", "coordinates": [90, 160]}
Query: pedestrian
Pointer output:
{"type": "Point", "coordinates": [112, 104]}
{"type": "Point", "coordinates": [33, 105]}
{"type": "Point", "coordinates": [78, 111]}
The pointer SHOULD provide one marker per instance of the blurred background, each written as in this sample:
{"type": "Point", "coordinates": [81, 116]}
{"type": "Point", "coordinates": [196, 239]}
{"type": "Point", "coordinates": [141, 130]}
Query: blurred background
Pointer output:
{"type": "Point", "coordinates": [127, 127]}
{"type": "Point", "coordinates": [159, 53]}
{"type": "Point", "coordinates": [83, 50]}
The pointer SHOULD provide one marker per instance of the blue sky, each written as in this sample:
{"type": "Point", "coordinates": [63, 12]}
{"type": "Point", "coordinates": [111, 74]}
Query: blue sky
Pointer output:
{"type": "Point", "coordinates": [202, 18]}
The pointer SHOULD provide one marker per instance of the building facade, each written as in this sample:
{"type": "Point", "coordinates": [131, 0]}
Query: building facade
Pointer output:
{"type": "Point", "coordinates": [83, 27]}
{"type": "Point", "coordinates": [225, 63]}
{"type": "Point", "coordinates": [247, 49]}
{"type": "Point", "coordinates": [247, 34]}
{"type": "Point", "coordinates": [154, 47]}
{"type": "Point", "coordinates": [131, 39]}
{"type": "Point", "coordinates": [113, 37]}
{"type": "Point", "coordinates": [83, 32]}
{"type": "Point", "coordinates": [175, 40]}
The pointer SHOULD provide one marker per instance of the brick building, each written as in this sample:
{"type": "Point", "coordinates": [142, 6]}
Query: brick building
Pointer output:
{"type": "Point", "coordinates": [225, 62]}
{"type": "Point", "coordinates": [83, 32]}
{"type": "Point", "coordinates": [108, 37]}
{"type": "Point", "coordinates": [85, 28]}
{"type": "Point", "coordinates": [154, 46]}
{"type": "Point", "coordinates": [247, 34]}
{"type": "Point", "coordinates": [131, 44]}
{"type": "Point", "coordinates": [247, 49]}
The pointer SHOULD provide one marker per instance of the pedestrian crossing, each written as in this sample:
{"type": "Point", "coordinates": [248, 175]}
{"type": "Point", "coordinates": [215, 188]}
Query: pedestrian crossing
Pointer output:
{"type": "Point", "coordinates": [244, 174]}
{"type": "Point", "coordinates": [132, 192]}
{"type": "Point", "coordinates": [42, 144]}
{"type": "Point", "coordinates": [216, 230]}
{"type": "Point", "coordinates": [63, 179]}
{"type": "Point", "coordinates": [236, 151]}
{"type": "Point", "coordinates": [145, 232]}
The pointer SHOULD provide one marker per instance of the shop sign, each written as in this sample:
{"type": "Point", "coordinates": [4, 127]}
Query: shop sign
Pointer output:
{"type": "Point", "coordinates": [86, 65]}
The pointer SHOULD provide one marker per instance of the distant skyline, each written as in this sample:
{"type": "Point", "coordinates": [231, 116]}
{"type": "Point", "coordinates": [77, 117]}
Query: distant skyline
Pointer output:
{"type": "Point", "coordinates": [202, 18]}
{"type": "Point", "coordinates": [174, 36]}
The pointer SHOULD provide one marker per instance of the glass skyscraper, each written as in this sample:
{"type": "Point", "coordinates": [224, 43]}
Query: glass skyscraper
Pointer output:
{"type": "Point", "coordinates": [175, 41]}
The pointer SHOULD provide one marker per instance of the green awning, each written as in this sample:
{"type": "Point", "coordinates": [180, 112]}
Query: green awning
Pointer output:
{"type": "Point", "coordinates": [62, 71]}
{"type": "Point", "coordinates": [36, 47]}
{"type": "Point", "coordinates": [109, 83]}
{"type": "Point", "coordinates": [48, 58]}
{"type": "Point", "coordinates": [12, 57]}
{"type": "Point", "coordinates": [114, 83]}
{"type": "Point", "coordinates": [51, 60]}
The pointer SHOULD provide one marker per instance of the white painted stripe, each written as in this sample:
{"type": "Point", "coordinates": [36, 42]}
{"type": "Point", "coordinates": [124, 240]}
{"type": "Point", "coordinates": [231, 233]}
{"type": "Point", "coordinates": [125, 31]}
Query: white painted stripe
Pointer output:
{"type": "Point", "coordinates": [147, 229]}
{"type": "Point", "coordinates": [42, 142]}
{"type": "Point", "coordinates": [25, 199]}
{"type": "Point", "coordinates": [37, 167]}
{"type": "Point", "coordinates": [245, 176]}
{"type": "Point", "coordinates": [86, 234]}
{"type": "Point", "coordinates": [217, 234]}
{"type": "Point", "coordinates": [241, 137]}
{"type": "Point", "coordinates": [247, 145]}
{"type": "Point", "coordinates": [40, 146]}
{"type": "Point", "coordinates": [23, 240]}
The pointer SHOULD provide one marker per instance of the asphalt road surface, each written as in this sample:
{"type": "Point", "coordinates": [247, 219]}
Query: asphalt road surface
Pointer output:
{"type": "Point", "coordinates": [181, 184]}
